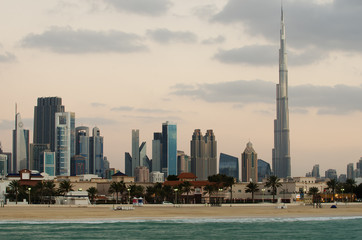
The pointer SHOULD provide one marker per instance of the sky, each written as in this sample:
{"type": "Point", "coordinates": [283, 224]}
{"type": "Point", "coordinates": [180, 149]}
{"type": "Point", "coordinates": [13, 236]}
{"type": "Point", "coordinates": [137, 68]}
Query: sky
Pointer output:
{"type": "Point", "coordinates": [203, 64]}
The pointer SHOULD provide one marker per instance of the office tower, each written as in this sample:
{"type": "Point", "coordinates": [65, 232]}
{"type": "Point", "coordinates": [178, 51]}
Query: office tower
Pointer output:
{"type": "Point", "coordinates": [64, 142]}
{"type": "Point", "coordinates": [144, 161]}
{"type": "Point", "coordinates": [229, 166]}
{"type": "Point", "coordinates": [350, 171]}
{"type": "Point", "coordinates": [359, 167]}
{"type": "Point", "coordinates": [44, 120]}
{"type": "Point", "coordinates": [35, 160]}
{"type": "Point", "coordinates": [106, 165]}
{"type": "Point", "coordinates": [198, 161]}
{"type": "Point", "coordinates": [182, 162]}
{"type": "Point", "coordinates": [169, 149]}
{"type": "Point", "coordinates": [156, 151]}
{"type": "Point", "coordinates": [203, 154]}
{"type": "Point", "coordinates": [48, 162]}
{"type": "Point", "coordinates": [141, 174]}
{"type": "Point", "coordinates": [82, 144]}
{"type": "Point", "coordinates": [211, 152]}
{"type": "Point", "coordinates": [109, 172]}
{"type": "Point", "coordinates": [331, 174]}
{"type": "Point", "coordinates": [3, 165]}
{"type": "Point", "coordinates": [281, 151]}
{"type": "Point", "coordinates": [135, 149]}
{"type": "Point", "coordinates": [20, 145]}
{"type": "Point", "coordinates": [249, 164]}
{"type": "Point", "coordinates": [264, 170]}
{"type": "Point", "coordinates": [128, 164]}
{"type": "Point", "coordinates": [342, 178]}
{"type": "Point", "coordinates": [9, 162]}
{"type": "Point", "coordinates": [315, 171]}
{"type": "Point", "coordinates": [78, 165]}
{"type": "Point", "coordinates": [96, 152]}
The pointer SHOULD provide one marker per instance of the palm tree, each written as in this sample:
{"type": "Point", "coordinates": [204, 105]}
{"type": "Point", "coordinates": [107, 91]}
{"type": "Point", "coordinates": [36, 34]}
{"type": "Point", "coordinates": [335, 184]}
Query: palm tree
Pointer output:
{"type": "Point", "coordinates": [252, 188]}
{"type": "Point", "coordinates": [117, 187]}
{"type": "Point", "coordinates": [40, 187]}
{"type": "Point", "coordinates": [15, 188]}
{"type": "Point", "coordinates": [92, 192]}
{"type": "Point", "coordinates": [350, 185]}
{"type": "Point", "coordinates": [187, 189]}
{"type": "Point", "coordinates": [332, 184]}
{"type": "Point", "coordinates": [65, 187]}
{"type": "Point", "coordinates": [273, 183]}
{"type": "Point", "coordinates": [313, 191]}
{"type": "Point", "coordinates": [209, 189]}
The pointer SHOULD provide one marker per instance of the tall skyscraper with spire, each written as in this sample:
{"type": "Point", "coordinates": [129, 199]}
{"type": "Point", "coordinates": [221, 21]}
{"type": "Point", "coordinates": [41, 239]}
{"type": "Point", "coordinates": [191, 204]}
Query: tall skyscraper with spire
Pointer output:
{"type": "Point", "coordinates": [281, 151]}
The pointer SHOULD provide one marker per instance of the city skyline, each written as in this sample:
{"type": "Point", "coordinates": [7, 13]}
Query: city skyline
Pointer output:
{"type": "Point", "coordinates": [211, 66]}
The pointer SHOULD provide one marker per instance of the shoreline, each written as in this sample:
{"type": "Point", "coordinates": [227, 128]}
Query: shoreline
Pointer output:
{"type": "Point", "coordinates": [46, 213]}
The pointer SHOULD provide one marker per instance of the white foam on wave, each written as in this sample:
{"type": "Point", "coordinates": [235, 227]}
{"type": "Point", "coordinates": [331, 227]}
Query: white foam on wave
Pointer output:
{"type": "Point", "coordinates": [182, 220]}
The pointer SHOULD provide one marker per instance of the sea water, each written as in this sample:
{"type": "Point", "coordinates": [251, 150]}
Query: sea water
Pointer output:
{"type": "Point", "coordinates": [195, 228]}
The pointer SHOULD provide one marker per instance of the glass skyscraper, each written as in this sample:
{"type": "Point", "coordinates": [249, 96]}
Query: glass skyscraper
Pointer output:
{"type": "Point", "coordinates": [169, 149]}
{"type": "Point", "coordinates": [229, 166]}
{"type": "Point", "coordinates": [44, 120]}
{"type": "Point", "coordinates": [156, 151]}
{"type": "Point", "coordinates": [82, 144]}
{"type": "Point", "coordinates": [20, 145]}
{"type": "Point", "coordinates": [96, 152]}
{"type": "Point", "coordinates": [64, 141]}
{"type": "Point", "coordinates": [135, 150]}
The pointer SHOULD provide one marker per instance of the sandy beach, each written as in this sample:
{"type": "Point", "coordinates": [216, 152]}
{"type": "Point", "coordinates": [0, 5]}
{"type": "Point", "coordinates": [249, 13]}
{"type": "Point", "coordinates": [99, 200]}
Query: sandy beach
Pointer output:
{"type": "Point", "coordinates": [36, 212]}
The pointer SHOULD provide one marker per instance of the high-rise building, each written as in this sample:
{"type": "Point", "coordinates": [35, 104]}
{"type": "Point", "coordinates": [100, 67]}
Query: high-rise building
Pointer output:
{"type": "Point", "coordinates": [281, 151]}
{"type": "Point", "coordinates": [156, 151]}
{"type": "Point", "coordinates": [3, 165]}
{"type": "Point", "coordinates": [331, 174]}
{"type": "Point", "coordinates": [128, 164]}
{"type": "Point", "coordinates": [182, 162]}
{"type": "Point", "coordinates": [169, 149]}
{"type": "Point", "coordinates": [142, 174]}
{"type": "Point", "coordinates": [64, 142]}
{"type": "Point", "coordinates": [350, 171]}
{"type": "Point", "coordinates": [359, 167]}
{"type": "Point", "coordinates": [342, 178]}
{"type": "Point", "coordinates": [249, 164]}
{"type": "Point", "coordinates": [9, 162]}
{"type": "Point", "coordinates": [20, 145]}
{"type": "Point", "coordinates": [78, 165]}
{"type": "Point", "coordinates": [135, 149]}
{"type": "Point", "coordinates": [315, 171]}
{"type": "Point", "coordinates": [44, 120]}
{"type": "Point", "coordinates": [35, 160]}
{"type": "Point", "coordinates": [264, 170]}
{"type": "Point", "coordinates": [211, 152]}
{"type": "Point", "coordinates": [96, 152]}
{"type": "Point", "coordinates": [229, 166]}
{"type": "Point", "coordinates": [82, 144]}
{"type": "Point", "coordinates": [203, 154]}
{"type": "Point", "coordinates": [48, 162]}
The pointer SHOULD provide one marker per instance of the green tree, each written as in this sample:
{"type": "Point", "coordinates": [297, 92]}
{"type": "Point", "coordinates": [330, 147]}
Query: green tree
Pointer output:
{"type": "Point", "coordinates": [137, 190]}
{"type": "Point", "coordinates": [92, 193]}
{"type": "Point", "coordinates": [252, 188]}
{"type": "Point", "coordinates": [40, 190]}
{"type": "Point", "coordinates": [313, 191]}
{"type": "Point", "coordinates": [273, 183]}
{"type": "Point", "coordinates": [15, 189]}
{"type": "Point", "coordinates": [172, 178]}
{"type": "Point", "coordinates": [332, 185]}
{"type": "Point", "coordinates": [117, 187]}
{"type": "Point", "coordinates": [209, 189]}
{"type": "Point", "coordinates": [65, 187]}
{"type": "Point", "coordinates": [187, 189]}
{"type": "Point", "coordinates": [350, 186]}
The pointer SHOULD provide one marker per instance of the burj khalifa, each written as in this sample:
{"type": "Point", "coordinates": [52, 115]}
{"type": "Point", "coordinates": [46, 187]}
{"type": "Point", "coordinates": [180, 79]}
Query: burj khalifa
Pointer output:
{"type": "Point", "coordinates": [281, 152]}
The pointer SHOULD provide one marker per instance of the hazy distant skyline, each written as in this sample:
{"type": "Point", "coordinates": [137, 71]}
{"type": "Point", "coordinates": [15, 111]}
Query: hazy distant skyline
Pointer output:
{"type": "Point", "coordinates": [123, 65]}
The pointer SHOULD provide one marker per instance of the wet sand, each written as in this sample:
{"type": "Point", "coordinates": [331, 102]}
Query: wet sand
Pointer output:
{"type": "Point", "coordinates": [37, 212]}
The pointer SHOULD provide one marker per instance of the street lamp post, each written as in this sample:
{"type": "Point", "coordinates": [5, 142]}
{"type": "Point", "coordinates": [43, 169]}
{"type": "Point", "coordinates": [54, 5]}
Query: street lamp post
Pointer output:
{"type": "Point", "coordinates": [175, 195]}
{"type": "Point", "coordinates": [29, 189]}
{"type": "Point", "coordinates": [342, 194]}
{"type": "Point", "coordinates": [263, 190]}
{"type": "Point", "coordinates": [220, 191]}
{"type": "Point", "coordinates": [129, 195]}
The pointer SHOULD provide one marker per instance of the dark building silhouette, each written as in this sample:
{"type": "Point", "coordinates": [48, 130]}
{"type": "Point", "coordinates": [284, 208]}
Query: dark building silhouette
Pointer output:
{"type": "Point", "coordinates": [44, 120]}
{"type": "Point", "coordinates": [264, 170]}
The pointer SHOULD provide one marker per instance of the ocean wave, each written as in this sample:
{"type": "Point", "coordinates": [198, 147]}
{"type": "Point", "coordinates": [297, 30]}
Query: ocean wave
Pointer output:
{"type": "Point", "coordinates": [183, 220]}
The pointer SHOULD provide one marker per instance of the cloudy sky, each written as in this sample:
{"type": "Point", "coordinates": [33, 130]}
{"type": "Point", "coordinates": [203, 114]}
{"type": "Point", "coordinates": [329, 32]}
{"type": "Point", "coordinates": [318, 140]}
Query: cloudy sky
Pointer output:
{"type": "Point", "coordinates": [207, 64]}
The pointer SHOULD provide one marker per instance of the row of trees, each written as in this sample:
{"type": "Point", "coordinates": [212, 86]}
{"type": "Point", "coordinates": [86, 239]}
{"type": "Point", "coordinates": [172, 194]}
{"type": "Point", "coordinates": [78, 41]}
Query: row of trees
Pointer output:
{"type": "Point", "coordinates": [40, 193]}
